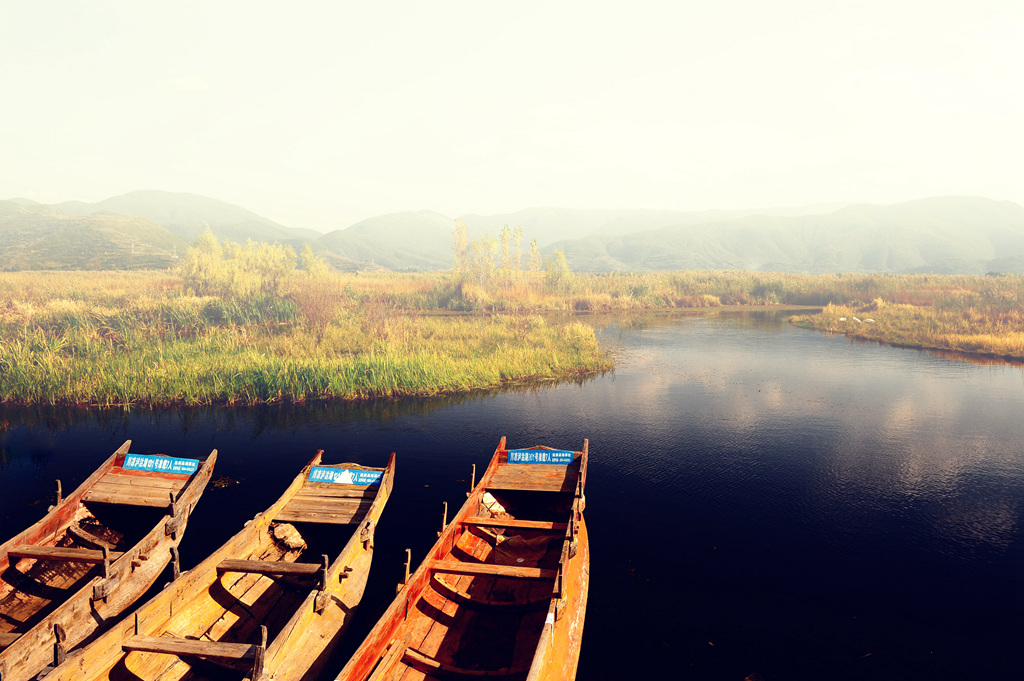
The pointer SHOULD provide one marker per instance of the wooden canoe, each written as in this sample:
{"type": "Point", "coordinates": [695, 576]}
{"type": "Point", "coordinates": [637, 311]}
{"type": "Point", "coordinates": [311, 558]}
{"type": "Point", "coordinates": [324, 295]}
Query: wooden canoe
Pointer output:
{"type": "Point", "coordinates": [93, 555]}
{"type": "Point", "coordinates": [267, 604]}
{"type": "Point", "coordinates": [503, 592]}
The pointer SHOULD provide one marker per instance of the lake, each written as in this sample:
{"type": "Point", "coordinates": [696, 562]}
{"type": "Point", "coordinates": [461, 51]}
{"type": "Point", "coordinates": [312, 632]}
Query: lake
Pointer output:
{"type": "Point", "coordinates": [762, 500]}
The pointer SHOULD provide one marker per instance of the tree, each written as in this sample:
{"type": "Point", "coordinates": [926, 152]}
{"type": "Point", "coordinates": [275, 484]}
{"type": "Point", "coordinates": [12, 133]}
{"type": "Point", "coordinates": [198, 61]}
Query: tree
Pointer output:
{"type": "Point", "coordinates": [312, 263]}
{"type": "Point", "coordinates": [236, 270]}
{"type": "Point", "coordinates": [536, 261]}
{"type": "Point", "coordinates": [202, 269]}
{"type": "Point", "coordinates": [517, 249]}
{"type": "Point", "coordinates": [461, 250]}
{"type": "Point", "coordinates": [481, 258]}
{"type": "Point", "coordinates": [506, 253]}
{"type": "Point", "coordinates": [556, 270]}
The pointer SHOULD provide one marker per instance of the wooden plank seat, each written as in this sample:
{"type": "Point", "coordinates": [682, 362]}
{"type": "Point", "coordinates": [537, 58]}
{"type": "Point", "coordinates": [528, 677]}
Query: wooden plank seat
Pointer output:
{"type": "Point", "coordinates": [88, 537]}
{"type": "Point", "coordinates": [72, 555]}
{"type": "Point", "coordinates": [452, 592]}
{"type": "Point", "coordinates": [534, 477]}
{"type": "Point", "coordinates": [432, 667]}
{"type": "Point", "coordinates": [458, 567]}
{"type": "Point", "coordinates": [135, 490]}
{"type": "Point", "coordinates": [329, 510]}
{"type": "Point", "coordinates": [186, 646]}
{"type": "Point", "coordinates": [515, 523]}
{"type": "Point", "coordinates": [321, 490]}
{"type": "Point", "coordinates": [7, 639]}
{"type": "Point", "coordinates": [270, 567]}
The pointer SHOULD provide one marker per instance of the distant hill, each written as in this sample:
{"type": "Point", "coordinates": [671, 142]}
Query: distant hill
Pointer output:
{"type": "Point", "coordinates": [938, 235]}
{"type": "Point", "coordinates": [553, 225]}
{"type": "Point", "coordinates": [187, 215]}
{"type": "Point", "coordinates": [413, 241]}
{"type": "Point", "coordinates": [43, 238]}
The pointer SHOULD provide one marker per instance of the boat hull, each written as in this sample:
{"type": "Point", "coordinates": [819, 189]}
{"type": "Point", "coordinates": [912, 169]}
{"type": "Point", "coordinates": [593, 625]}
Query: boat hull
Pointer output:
{"type": "Point", "coordinates": [222, 603]}
{"type": "Point", "coordinates": [503, 591]}
{"type": "Point", "coordinates": [128, 577]}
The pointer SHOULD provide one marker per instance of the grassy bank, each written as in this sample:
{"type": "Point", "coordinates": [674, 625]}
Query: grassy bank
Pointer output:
{"type": "Point", "coordinates": [140, 338]}
{"type": "Point", "coordinates": [115, 338]}
{"type": "Point", "coordinates": [990, 328]}
{"type": "Point", "coordinates": [665, 290]}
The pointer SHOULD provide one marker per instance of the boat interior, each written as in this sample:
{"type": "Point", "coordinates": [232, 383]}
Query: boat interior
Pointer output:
{"type": "Point", "coordinates": [483, 610]}
{"type": "Point", "coordinates": [55, 559]}
{"type": "Point", "coordinates": [259, 581]}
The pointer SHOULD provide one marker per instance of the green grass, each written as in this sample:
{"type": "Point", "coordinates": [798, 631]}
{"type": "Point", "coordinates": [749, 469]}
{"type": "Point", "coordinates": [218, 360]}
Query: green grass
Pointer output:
{"type": "Point", "coordinates": [125, 339]}
{"type": "Point", "coordinates": [992, 327]}
{"type": "Point", "coordinates": [140, 338]}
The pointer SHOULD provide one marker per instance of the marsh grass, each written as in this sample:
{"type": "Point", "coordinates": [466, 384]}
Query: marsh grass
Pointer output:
{"type": "Point", "coordinates": [105, 339]}
{"type": "Point", "coordinates": [983, 316]}
{"type": "Point", "coordinates": [118, 338]}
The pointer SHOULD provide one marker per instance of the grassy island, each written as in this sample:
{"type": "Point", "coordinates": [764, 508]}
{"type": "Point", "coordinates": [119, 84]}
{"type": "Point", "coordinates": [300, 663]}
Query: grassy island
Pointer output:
{"type": "Point", "coordinates": [242, 326]}
{"type": "Point", "coordinates": [982, 318]}
{"type": "Point", "coordinates": [142, 339]}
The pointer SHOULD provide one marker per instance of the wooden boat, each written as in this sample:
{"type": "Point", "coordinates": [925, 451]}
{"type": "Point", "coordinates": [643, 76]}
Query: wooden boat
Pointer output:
{"type": "Point", "coordinates": [93, 555]}
{"type": "Point", "coordinates": [503, 592]}
{"type": "Point", "coordinates": [252, 609]}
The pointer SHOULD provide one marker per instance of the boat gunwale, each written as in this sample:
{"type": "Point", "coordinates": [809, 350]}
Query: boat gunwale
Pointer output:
{"type": "Point", "coordinates": [388, 628]}
{"type": "Point", "coordinates": [151, 617]}
{"type": "Point", "coordinates": [125, 592]}
{"type": "Point", "coordinates": [281, 646]}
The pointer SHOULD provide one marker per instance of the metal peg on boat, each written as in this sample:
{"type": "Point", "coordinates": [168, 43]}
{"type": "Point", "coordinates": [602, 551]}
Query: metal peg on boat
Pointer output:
{"type": "Point", "coordinates": [408, 562]}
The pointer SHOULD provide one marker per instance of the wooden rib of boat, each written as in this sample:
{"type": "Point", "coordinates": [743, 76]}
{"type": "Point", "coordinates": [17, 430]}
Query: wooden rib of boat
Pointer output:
{"type": "Point", "coordinates": [93, 555]}
{"type": "Point", "coordinates": [267, 604]}
{"type": "Point", "coordinates": [503, 592]}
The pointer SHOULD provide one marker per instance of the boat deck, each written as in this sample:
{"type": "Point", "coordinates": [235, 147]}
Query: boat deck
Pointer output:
{"type": "Point", "coordinates": [534, 477]}
{"type": "Point", "coordinates": [484, 607]}
{"type": "Point", "coordinates": [330, 503]}
{"type": "Point", "coordinates": [136, 488]}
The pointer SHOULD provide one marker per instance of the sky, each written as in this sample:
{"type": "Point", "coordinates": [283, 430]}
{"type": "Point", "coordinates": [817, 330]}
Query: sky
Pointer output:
{"type": "Point", "coordinates": [321, 114]}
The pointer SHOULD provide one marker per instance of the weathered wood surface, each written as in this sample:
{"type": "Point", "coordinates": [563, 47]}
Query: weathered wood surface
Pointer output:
{"type": "Point", "coordinates": [446, 588]}
{"type": "Point", "coordinates": [91, 556]}
{"type": "Point", "coordinates": [537, 477]}
{"type": "Point", "coordinates": [520, 524]}
{"type": "Point", "coordinates": [136, 488]}
{"type": "Point", "coordinates": [39, 594]}
{"type": "Point", "coordinates": [268, 567]}
{"type": "Point", "coordinates": [466, 612]}
{"type": "Point", "coordinates": [184, 646]}
{"type": "Point", "coordinates": [337, 511]}
{"type": "Point", "coordinates": [246, 583]}
{"type": "Point", "coordinates": [457, 567]}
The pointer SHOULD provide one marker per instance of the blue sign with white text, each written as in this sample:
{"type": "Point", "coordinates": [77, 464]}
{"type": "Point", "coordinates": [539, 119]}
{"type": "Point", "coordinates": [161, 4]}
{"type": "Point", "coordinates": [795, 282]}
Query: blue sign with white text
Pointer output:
{"type": "Point", "coordinates": [561, 457]}
{"type": "Point", "coordinates": [344, 476]}
{"type": "Point", "coordinates": [160, 464]}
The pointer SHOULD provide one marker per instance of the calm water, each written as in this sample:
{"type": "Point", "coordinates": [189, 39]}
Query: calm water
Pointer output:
{"type": "Point", "coordinates": [761, 499]}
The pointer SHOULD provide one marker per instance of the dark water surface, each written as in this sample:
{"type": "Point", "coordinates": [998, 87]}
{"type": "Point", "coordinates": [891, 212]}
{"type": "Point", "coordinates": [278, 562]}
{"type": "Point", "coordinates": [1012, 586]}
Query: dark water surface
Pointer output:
{"type": "Point", "coordinates": [761, 499]}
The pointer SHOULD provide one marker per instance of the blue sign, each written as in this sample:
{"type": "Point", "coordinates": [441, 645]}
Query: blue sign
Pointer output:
{"type": "Point", "coordinates": [344, 476]}
{"type": "Point", "coordinates": [562, 457]}
{"type": "Point", "coordinates": [160, 464]}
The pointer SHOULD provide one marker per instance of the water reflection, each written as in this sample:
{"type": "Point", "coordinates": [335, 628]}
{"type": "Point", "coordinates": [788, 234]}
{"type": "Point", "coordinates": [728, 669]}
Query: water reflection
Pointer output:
{"type": "Point", "coordinates": [254, 420]}
{"type": "Point", "coordinates": [813, 507]}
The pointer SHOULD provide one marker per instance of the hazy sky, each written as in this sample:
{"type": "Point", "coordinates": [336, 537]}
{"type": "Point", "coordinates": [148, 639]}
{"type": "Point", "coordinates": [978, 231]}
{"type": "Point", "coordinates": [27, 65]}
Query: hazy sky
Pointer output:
{"type": "Point", "coordinates": [319, 114]}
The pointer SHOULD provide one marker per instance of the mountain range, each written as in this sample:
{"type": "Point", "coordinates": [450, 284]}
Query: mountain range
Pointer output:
{"type": "Point", "coordinates": [151, 229]}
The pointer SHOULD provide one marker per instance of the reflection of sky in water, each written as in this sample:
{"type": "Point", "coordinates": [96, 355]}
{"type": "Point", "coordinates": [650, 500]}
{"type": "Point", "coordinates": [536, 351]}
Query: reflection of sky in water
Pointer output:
{"type": "Point", "coordinates": [894, 431]}
{"type": "Point", "coordinates": [795, 498]}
